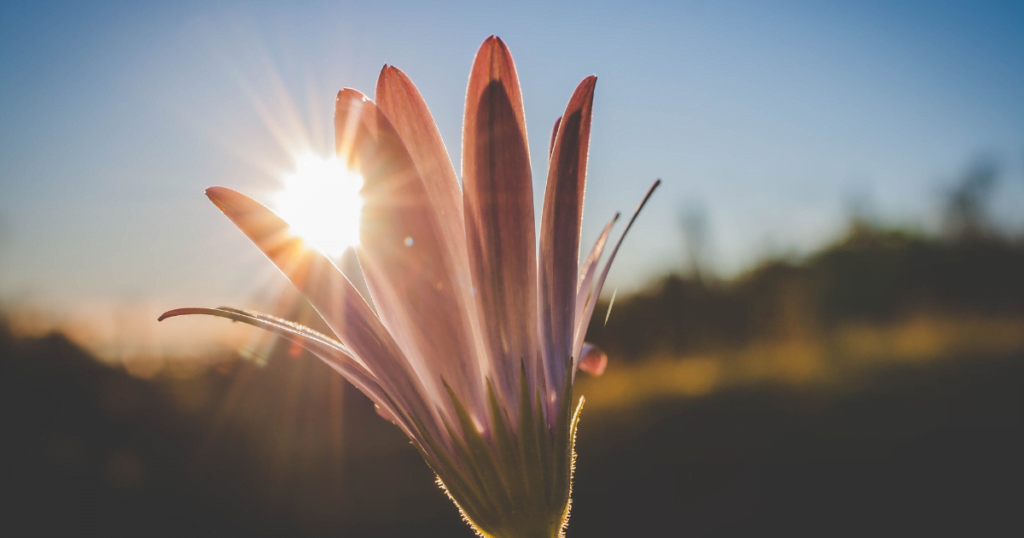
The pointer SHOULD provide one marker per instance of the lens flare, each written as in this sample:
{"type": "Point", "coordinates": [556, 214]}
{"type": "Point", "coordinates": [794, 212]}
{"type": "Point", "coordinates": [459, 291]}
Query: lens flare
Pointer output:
{"type": "Point", "coordinates": [321, 203]}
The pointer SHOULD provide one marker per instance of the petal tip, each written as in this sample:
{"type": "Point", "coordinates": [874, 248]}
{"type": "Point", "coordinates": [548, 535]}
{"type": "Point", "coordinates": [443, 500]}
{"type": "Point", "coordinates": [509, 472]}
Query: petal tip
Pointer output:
{"type": "Point", "coordinates": [587, 86]}
{"type": "Point", "coordinates": [350, 93]}
{"type": "Point", "coordinates": [219, 196]}
{"type": "Point", "coordinates": [392, 75]}
{"type": "Point", "coordinates": [174, 313]}
{"type": "Point", "coordinates": [389, 71]}
{"type": "Point", "coordinates": [494, 44]}
{"type": "Point", "coordinates": [214, 191]}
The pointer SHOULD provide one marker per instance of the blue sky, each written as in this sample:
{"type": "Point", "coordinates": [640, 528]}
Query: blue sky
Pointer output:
{"type": "Point", "coordinates": [770, 116]}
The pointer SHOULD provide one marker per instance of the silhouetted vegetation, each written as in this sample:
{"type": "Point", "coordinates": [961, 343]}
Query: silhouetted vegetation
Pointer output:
{"type": "Point", "coordinates": [870, 276]}
{"type": "Point", "coordinates": [283, 450]}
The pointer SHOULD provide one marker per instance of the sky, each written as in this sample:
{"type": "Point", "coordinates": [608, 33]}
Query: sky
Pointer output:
{"type": "Point", "coordinates": [769, 118]}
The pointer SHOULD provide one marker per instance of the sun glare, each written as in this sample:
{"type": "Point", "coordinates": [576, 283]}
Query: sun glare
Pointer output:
{"type": "Point", "coordinates": [321, 203]}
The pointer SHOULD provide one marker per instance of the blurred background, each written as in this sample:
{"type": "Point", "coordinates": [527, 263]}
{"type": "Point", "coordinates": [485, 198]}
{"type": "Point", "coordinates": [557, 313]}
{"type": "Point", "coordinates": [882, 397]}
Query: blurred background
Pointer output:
{"type": "Point", "coordinates": [818, 321]}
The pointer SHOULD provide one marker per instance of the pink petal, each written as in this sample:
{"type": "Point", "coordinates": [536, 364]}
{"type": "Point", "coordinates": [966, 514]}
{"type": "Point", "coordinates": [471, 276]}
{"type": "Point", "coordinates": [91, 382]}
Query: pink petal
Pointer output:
{"type": "Point", "coordinates": [589, 310]}
{"type": "Point", "coordinates": [560, 232]}
{"type": "Point", "coordinates": [409, 270]}
{"type": "Point", "coordinates": [403, 105]}
{"type": "Point", "coordinates": [331, 294]}
{"type": "Point", "coordinates": [399, 100]}
{"type": "Point", "coordinates": [498, 196]}
{"type": "Point", "coordinates": [594, 360]}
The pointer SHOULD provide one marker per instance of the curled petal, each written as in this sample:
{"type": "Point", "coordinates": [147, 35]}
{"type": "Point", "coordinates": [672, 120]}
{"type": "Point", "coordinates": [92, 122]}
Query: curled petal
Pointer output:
{"type": "Point", "coordinates": [593, 360]}
{"type": "Point", "coordinates": [498, 203]}
{"type": "Point", "coordinates": [330, 351]}
{"type": "Point", "coordinates": [267, 322]}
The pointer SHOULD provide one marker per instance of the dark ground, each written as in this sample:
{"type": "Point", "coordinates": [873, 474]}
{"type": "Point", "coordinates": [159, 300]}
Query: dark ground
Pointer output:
{"type": "Point", "coordinates": [916, 451]}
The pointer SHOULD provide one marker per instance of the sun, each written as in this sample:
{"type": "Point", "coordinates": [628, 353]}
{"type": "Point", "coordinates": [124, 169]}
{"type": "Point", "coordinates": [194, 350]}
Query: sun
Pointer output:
{"type": "Point", "coordinates": [321, 203]}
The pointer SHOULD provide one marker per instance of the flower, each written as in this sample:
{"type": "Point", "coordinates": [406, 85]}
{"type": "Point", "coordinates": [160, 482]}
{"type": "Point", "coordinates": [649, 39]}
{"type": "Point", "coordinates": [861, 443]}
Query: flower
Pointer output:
{"type": "Point", "coordinates": [477, 335]}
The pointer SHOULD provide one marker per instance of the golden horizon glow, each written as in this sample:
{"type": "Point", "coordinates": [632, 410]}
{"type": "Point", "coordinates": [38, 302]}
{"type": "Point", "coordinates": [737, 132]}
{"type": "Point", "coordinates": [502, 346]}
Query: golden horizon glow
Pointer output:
{"type": "Point", "coordinates": [320, 201]}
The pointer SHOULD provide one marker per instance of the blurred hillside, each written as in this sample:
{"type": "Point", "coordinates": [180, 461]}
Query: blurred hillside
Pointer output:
{"type": "Point", "coordinates": [872, 277]}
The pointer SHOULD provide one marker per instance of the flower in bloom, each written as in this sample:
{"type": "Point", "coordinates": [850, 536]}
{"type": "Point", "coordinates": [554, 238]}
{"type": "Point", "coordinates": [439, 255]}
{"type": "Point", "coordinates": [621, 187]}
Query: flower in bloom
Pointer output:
{"type": "Point", "coordinates": [477, 334]}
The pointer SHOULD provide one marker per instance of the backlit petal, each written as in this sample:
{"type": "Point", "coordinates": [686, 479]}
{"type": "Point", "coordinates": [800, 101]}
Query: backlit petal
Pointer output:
{"type": "Point", "coordinates": [498, 203]}
{"type": "Point", "coordinates": [403, 105]}
{"type": "Point", "coordinates": [408, 269]}
{"type": "Point", "coordinates": [399, 100]}
{"type": "Point", "coordinates": [560, 232]}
